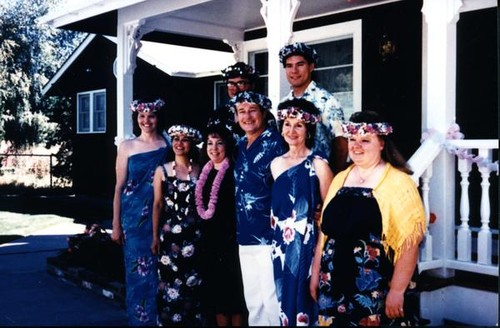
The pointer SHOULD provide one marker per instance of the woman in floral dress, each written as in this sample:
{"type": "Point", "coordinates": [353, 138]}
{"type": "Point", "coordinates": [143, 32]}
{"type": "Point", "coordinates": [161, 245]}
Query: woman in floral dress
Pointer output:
{"type": "Point", "coordinates": [372, 223]}
{"type": "Point", "coordinates": [176, 232]}
{"type": "Point", "coordinates": [136, 162]}
{"type": "Point", "coordinates": [301, 181]}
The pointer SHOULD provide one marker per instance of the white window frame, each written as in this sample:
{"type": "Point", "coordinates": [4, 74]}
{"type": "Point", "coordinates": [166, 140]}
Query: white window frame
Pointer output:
{"type": "Point", "coordinates": [319, 35]}
{"type": "Point", "coordinates": [91, 112]}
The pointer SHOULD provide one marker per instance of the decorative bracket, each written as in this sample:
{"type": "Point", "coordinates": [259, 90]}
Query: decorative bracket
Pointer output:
{"type": "Point", "coordinates": [236, 46]}
{"type": "Point", "coordinates": [134, 33]}
{"type": "Point", "coordinates": [292, 6]}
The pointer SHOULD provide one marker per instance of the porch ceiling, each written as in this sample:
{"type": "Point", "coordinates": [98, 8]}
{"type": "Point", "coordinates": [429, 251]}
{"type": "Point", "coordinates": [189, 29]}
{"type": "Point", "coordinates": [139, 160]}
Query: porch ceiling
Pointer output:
{"type": "Point", "coordinates": [209, 19]}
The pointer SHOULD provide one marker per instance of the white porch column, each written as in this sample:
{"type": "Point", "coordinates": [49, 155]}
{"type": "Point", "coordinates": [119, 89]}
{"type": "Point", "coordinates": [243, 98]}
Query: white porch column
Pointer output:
{"type": "Point", "coordinates": [438, 101]}
{"type": "Point", "coordinates": [278, 16]}
{"type": "Point", "coordinates": [128, 44]}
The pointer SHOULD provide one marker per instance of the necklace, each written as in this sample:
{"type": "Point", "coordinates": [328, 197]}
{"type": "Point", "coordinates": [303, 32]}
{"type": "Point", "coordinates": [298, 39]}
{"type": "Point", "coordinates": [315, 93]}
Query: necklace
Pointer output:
{"type": "Point", "coordinates": [190, 168]}
{"type": "Point", "coordinates": [208, 213]}
{"type": "Point", "coordinates": [363, 180]}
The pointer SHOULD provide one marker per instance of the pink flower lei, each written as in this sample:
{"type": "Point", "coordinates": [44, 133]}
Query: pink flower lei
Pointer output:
{"type": "Point", "coordinates": [208, 213]}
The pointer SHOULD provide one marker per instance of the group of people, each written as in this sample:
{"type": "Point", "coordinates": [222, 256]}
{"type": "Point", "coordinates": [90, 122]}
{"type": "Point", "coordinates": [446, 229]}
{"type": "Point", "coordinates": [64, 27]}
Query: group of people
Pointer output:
{"type": "Point", "coordinates": [297, 218]}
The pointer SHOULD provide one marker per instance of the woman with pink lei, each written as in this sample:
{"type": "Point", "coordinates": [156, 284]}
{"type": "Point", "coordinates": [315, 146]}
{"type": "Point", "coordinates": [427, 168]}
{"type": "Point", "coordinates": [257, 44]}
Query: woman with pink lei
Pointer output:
{"type": "Point", "coordinates": [223, 285]}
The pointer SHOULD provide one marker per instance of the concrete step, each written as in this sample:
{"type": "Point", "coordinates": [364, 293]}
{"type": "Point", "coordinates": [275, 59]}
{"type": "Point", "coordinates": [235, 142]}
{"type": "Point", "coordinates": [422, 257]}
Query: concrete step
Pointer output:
{"type": "Point", "coordinates": [84, 278]}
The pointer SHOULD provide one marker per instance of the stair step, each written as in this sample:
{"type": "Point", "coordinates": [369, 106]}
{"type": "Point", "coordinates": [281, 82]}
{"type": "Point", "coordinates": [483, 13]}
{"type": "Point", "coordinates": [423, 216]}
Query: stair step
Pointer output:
{"type": "Point", "coordinates": [454, 323]}
{"type": "Point", "coordinates": [89, 280]}
{"type": "Point", "coordinates": [462, 278]}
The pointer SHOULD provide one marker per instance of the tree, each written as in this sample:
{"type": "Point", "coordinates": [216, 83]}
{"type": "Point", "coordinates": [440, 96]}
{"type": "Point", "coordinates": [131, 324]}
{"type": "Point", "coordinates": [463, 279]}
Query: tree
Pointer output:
{"type": "Point", "coordinates": [30, 54]}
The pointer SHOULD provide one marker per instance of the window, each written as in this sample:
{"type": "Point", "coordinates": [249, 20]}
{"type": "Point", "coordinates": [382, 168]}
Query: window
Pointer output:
{"type": "Point", "coordinates": [339, 66]}
{"type": "Point", "coordinates": [221, 96]}
{"type": "Point", "coordinates": [91, 112]}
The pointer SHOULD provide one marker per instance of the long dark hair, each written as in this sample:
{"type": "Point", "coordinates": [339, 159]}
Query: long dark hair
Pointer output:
{"type": "Point", "coordinates": [390, 153]}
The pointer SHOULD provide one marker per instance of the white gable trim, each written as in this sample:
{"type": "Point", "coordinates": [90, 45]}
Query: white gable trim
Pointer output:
{"type": "Point", "coordinates": [68, 63]}
{"type": "Point", "coordinates": [471, 5]}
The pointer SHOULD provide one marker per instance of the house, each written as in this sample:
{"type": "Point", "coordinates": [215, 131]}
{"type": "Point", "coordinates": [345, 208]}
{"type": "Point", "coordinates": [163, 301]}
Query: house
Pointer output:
{"type": "Point", "coordinates": [88, 78]}
{"type": "Point", "coordinates": [429, 66]}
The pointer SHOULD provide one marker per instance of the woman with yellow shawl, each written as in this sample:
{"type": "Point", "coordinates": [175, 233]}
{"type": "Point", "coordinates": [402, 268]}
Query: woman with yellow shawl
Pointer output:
{"type": "Point", "coordinates": [371, 226]}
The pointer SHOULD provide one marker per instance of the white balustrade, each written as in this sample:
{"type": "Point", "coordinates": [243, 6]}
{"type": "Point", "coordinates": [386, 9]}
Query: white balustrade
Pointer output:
{"type": "Point", "coordinates": [426, 252]}
{"type": "Point", "coordinates": [467, 163]}
{"type": "Point", "coordinates": [464, 236]}
{"type": "Point", "coordinates": [484, 246]}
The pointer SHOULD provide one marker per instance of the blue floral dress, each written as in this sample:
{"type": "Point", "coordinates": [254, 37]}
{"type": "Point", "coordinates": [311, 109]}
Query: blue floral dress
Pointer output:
{"type": "Point", "coordinates": [179, 291]}
{"type": "Point", "coordinates": [140, 264]}
{"type": "Point", "coordinates": [295, 196]}
{"type": "Point", "coordinates": [354, 271]}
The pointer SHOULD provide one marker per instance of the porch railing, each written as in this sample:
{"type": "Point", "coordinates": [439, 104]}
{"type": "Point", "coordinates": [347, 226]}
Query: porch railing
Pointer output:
{"type": "Point", "coordinates": [472, 241]}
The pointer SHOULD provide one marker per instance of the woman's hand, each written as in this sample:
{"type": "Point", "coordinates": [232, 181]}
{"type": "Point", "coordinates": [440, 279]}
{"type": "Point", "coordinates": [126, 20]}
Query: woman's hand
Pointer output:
{"type": "Point", "coordinates": [315, 267]}
{"type": "Point", "coordinates": [155, 246]}
{"type": "Point", "coordinates": [117, 235]}
{"type": "Point", "coordinates": [313, 286]}
{"type": "Point", "coordinates": [403, 271]}
{"type": "Point", "coordinates": [394, 304]}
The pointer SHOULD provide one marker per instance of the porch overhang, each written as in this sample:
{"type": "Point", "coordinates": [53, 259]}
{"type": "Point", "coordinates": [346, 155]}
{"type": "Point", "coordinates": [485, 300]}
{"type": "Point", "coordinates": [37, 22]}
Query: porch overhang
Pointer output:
{"type": "Point", "coordinates": [211, 19]}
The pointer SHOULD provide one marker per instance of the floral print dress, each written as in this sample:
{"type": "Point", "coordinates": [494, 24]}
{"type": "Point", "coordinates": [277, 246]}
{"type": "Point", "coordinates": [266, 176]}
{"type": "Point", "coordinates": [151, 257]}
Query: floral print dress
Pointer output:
{"type": "Point", "coordinates": [136, 212]}
{"type": "Point", "coordinates": [355, 271]}
{"type": "Point", "coordinates": [294, 200]}
{"type": "Point", "coordinates": [179, 291]}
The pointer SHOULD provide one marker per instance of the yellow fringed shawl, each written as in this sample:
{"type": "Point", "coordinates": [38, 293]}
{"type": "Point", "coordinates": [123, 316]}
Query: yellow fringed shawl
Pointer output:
{"type": "Point", "coordinates": [403, 216]}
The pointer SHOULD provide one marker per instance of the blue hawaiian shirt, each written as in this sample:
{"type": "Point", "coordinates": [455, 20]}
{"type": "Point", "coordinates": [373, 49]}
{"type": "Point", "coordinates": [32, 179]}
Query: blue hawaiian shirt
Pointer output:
{"type": "Point", "coordinates": [253, 181]}
{"type": "Point", "coordinates": [332, 117]}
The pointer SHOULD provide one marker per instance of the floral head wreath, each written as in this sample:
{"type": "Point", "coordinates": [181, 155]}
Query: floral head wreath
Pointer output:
{"type": "Point", "coordinates": [188, 131]}
{"type": "Point", "coordinates": [146, 107]}
{"type": "Point", "coordinates": [298, 48]}
{"type": "Point", "coordinates": [239, 69]}
{"type": "Point", "coordinates": [298, 113]}
{"type": "Point", "coordinates": [251, 97]}
{"type": "Point", "coordinates": [351, 128]}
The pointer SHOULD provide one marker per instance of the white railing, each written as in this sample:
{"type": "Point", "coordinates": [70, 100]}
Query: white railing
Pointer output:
{"type": "Point", "coordinates": [474, 242]}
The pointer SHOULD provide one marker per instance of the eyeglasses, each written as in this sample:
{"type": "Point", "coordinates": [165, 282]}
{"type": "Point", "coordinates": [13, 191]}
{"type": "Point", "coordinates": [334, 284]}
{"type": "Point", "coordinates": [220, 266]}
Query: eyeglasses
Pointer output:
{"type": "Point", "coordinates": [240, 84]}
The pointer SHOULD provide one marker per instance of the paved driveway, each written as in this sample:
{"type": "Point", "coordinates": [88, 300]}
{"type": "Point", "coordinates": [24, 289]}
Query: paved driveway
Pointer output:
{"type": "Point", "coordinates": [30, 296]}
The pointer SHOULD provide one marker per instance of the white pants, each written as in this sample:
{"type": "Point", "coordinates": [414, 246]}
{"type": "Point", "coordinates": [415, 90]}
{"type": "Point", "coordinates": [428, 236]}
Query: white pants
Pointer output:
{"type": "Point", "coordinates": [258, 285]}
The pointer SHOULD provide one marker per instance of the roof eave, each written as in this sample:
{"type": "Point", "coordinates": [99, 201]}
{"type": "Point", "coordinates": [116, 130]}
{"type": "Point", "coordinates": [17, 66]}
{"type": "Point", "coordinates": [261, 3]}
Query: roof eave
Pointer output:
{"type": "Point", "coordinates": [77, 11]}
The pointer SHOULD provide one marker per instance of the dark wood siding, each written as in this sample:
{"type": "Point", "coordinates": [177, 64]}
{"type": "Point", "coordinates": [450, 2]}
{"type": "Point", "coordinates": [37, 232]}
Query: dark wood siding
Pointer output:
{"type": "Point", "coordinates": [188, 100]}
{"type": "Point", "coordinates": [392, 86]}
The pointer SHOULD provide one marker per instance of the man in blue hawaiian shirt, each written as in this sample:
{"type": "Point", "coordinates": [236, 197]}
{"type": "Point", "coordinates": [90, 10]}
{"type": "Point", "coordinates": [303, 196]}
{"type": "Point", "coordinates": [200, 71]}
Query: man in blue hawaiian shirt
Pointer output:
{"type": "Point", "coordinates": [299, 61]}
{"type": "Point", "coordinates": [253, 180]}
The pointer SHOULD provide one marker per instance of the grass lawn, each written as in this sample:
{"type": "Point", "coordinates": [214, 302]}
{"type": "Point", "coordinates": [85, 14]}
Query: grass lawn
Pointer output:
{"type": "Point", "coordinates": [17, 225]}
